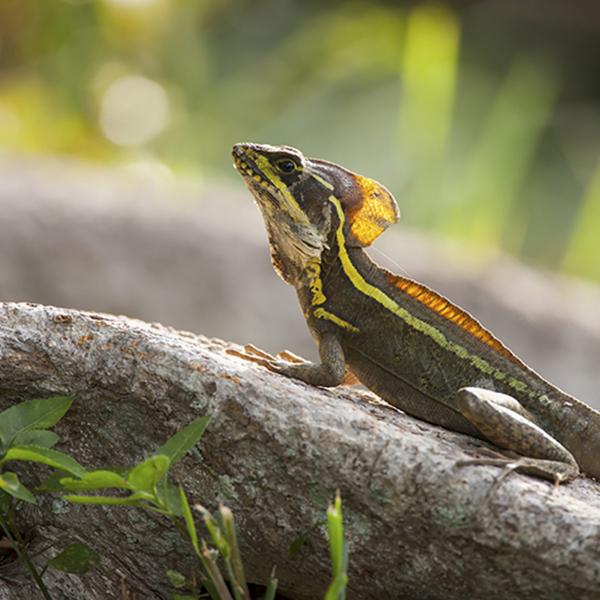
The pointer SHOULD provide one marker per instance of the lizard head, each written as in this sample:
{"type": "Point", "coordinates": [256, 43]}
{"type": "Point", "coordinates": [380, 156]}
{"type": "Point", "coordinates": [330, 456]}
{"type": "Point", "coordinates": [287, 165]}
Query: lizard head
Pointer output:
{"type": "Point", "coordinates": [305, 200]}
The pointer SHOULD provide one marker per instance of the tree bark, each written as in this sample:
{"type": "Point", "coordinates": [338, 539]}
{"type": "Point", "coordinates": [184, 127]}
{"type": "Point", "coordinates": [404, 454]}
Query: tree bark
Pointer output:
{"type": "Point", "coordinates": [275, 452]}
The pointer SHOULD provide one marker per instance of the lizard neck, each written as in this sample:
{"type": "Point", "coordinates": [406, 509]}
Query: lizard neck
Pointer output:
{"type": "Point", "coordinates": [326, 271]}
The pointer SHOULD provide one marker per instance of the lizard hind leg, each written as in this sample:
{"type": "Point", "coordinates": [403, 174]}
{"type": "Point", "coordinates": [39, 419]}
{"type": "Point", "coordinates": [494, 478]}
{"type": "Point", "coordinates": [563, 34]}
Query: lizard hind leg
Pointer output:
{"type": "Point", "coordinates": [507, 424]}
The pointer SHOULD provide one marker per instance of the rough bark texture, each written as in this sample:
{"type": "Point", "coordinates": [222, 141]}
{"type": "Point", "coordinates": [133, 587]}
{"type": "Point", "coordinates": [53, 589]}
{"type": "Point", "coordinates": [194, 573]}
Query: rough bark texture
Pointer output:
{"type": "Point", "coordinates": [275, 452]}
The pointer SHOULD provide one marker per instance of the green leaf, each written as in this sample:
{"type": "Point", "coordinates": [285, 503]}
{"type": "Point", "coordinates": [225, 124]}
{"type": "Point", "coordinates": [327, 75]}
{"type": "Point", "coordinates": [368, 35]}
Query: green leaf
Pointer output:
{"type": "Point", "coordinates": [52, 482]}
{"type": "Point", "coordinates": [5, 502]}
{"type": "Point", "coordinates": [95, 480]}
{"type": "Point", "coordinates": [189, 520]}
{"type": "Point", "coordinates": [272, 587]}
{"type": "Point", "coordinates": [46, 456]}
{"type": "Point", "coordinates": [106, 500]}
{"type": "Point", "coordinates": [147, 474]}
{"type": "Point", "coordinates": [176, 579]}
{"type": "Point", "coordinates": [36, 437]}
{"type": "Point", "coordinates": [184, 440]}
{"type": "Point", "coordinates": [170, 498]}
{"type": "Point", "coordinates": [76, 558]}
{"type": "Point", "coordinates": [32, 414]}
{"type": "Point", "coordinates": [9, 482]}
{"type": "Point", "coordinates": [296, 545]}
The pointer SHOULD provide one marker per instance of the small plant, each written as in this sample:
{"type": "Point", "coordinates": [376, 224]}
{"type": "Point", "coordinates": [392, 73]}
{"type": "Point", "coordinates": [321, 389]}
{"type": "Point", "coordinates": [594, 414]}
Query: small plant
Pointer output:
{"type": "Point", "coordinates": [147, 487]}
{"type": "Point", "coordinates": [25, 436]}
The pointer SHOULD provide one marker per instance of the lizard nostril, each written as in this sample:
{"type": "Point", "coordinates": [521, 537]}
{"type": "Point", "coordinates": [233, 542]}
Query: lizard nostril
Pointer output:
{"type": "Point", "coordinates": [239, 149]}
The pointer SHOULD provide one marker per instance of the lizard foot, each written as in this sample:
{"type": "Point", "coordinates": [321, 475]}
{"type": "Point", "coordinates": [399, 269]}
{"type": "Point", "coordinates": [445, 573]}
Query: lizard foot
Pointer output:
{"type": "Point", "coordinates": [252, 354]}
{"type": "Point", "coordinates": [550, 470]}
{"type": "Point", "coordinates": [260, 357]}
{"type": "Point", "coordinates": [279, 363]}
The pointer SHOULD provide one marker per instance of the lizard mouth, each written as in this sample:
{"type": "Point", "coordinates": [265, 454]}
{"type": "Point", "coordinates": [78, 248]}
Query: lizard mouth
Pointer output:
{"type": "Point", "coordinates": [259, 184]}
{"type": "Point", "coordinates": [245, 165]}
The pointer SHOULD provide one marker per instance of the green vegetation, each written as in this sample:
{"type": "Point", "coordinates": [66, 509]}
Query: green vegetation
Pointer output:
{"type": "Point", "coordinates": [481, 124]}
{"type": "Point", "coordinates": [25, 436]}
{"type": "Point", "coordinates": [338, 551]}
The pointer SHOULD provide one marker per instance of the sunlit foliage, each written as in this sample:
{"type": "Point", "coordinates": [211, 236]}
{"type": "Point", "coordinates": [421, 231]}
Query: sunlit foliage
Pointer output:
{"type": "Point", "coordinates": [465, 122]}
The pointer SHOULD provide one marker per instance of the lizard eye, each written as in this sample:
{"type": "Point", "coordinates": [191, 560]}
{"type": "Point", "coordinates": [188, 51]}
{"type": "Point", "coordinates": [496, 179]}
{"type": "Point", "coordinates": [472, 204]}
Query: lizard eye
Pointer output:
{"type": "Point", "coordinates": [285, 165]}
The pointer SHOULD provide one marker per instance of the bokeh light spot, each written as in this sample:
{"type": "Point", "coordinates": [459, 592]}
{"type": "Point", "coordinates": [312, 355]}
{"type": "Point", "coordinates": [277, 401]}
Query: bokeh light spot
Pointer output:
{"type": "Point", "coordinates": [133, 110]}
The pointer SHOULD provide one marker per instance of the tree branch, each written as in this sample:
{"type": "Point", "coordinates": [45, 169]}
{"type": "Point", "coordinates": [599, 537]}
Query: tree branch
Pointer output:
{"type": "Point", "coordinates": [275, 452]}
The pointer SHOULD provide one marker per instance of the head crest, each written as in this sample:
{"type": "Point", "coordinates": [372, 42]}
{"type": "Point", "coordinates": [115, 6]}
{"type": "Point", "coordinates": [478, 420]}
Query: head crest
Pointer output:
{"type": "Point", "coordinates": [370, 211]}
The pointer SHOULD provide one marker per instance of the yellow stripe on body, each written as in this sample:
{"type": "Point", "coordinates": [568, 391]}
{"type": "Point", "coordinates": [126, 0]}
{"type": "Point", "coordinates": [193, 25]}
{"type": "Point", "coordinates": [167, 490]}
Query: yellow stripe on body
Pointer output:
{"type": "Point", "coordinates": [313, 272]}
{"type": "Point", "coordinates": [429, 330]}
{"type": "Point", "coordinates": [321, 313]}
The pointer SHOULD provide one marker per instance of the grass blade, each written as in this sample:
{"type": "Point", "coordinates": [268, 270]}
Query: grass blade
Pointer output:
{"type": "Point", "coordinates": [338, 551]}
{"type": "Point", "coordinates": [240, 586]}
{"type": "Point", "coordinates": [189, 520]}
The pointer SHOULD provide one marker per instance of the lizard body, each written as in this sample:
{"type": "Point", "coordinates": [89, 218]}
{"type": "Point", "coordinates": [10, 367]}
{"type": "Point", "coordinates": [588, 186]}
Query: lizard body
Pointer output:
{"type": "Point", "coordinates": [405, 342]}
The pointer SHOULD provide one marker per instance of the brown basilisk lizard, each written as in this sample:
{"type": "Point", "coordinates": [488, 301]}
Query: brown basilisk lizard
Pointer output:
{"type": "Point", "coordinates": [404, 341]}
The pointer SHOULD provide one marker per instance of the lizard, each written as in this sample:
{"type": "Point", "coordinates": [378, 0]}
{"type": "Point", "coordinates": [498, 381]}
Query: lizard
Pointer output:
{"type": "Point", "coordinates": [407, 343]}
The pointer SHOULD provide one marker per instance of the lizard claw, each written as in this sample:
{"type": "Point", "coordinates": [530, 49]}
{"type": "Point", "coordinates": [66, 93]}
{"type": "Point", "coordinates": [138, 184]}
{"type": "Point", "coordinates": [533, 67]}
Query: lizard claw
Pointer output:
{"type": "Point", "coordinates": [253, 354]}
{"type": "Point", "coordinates": [290, 357]}
{"type": "Point", "coordinates": [274, 364]}
{"type": "Point", "coordinates": [252, 350]}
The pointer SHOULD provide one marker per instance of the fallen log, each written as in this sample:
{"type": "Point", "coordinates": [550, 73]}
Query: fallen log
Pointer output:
{"type": "Point", "coordinates": [275, 452]}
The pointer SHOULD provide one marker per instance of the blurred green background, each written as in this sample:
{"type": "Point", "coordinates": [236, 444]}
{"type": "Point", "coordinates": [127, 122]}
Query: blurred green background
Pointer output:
{"type": "Point", "coordinates": [482, 117]}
